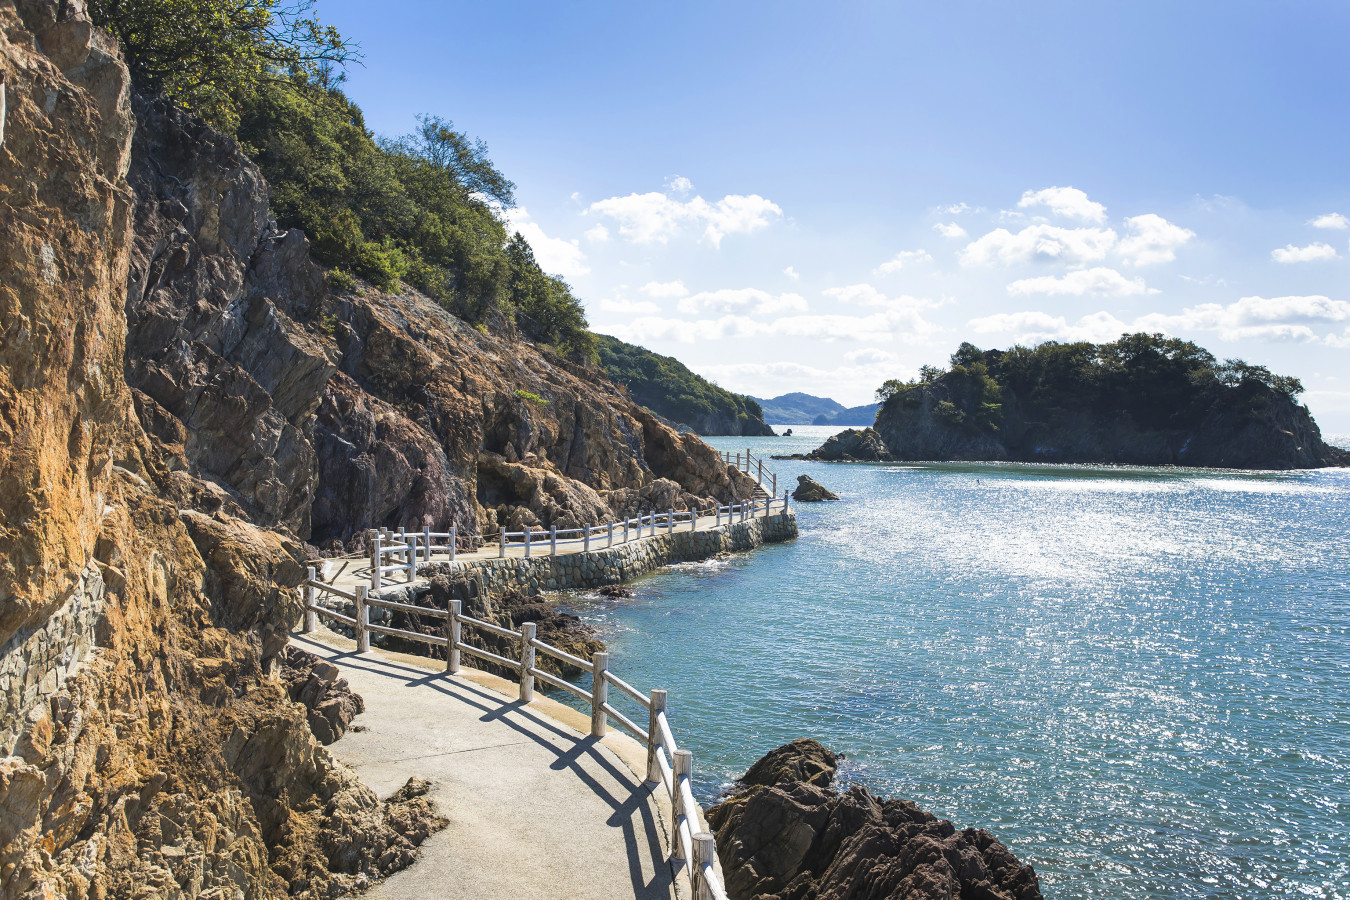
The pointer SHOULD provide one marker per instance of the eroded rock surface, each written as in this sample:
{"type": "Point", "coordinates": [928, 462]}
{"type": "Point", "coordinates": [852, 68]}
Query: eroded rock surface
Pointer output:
{"type": "Point", "coordinates": [317, 685]}
{"type": "Point", "coordinates": [146, 747]}
{"type": "Point", "coordinates": [850, 445]}
{"type": "Point", "coordinates": [809, 490]}
{"type": "Point", "coordinates": [786, 835]}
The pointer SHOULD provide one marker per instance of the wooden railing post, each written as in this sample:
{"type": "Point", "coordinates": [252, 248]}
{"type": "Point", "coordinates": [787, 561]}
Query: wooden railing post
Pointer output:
{"type": "Point", "coordinates": [553, 541]}
{"type": "Point", "coordinates": [670, 522]}
{"type": "Point", "coordinates": [693, 519]}
{"type": "Point", "coordinates": [311, 597]}
{"type": "Point", "coordinates": [527, 541]}
{"type": "Point", "coordinates": [454, 542]}
{"type": "Point", "coordinates": [705, 851]}
{"type": "Point", "coordinates": [526, 662]}
{"type": "Point", "coordinates": [403, 539]}
{"type": "Point", "coordinates": [586, 548]}
{"type": "Point", "coordinates": [501, 552]}
{"type": "Point", "coordinates": [657, 706]}
{"type": "Point", "coordinates": [453, 630]}
{"type": "Point", "coordinates": [410, 558]}
{"type": "Point", "coordinates": [718, 512]}
{"type": "Point", "coordinates": [761, 472]}
{"type": "Point", "coordinates": [775, 483]}
{"type": "Point", "coordinates": [611, 536]}
{"type": "Point", "coordinates": [682, 766]}
{"type": "Point", "coordinates": [362, 619]}
{"type": "Point", "coordinates": [599, 693]}
{"type": "Point", "coordinates": [376, 558]}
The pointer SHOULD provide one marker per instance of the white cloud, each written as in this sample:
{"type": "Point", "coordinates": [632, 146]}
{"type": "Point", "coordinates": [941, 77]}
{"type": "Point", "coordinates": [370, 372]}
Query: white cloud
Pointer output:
{"type": "Point", "coordinates": [727, 299]}
{"type": "Point", "coordinates": [1065, 201]}
{"type": "Point", "coordinates": [866, 295]}
{"type": "Point", "coordinates": [871, 355]}
{"type": "Point", "coordinates": [628, 307]}
{"type": "Point", "coordinates": [554, 255]}
{"type": "Point", "coordinates": [678, 184]}
{"type": "Point", "coordinates": [901, 259]}
{"type": "Point", "coordinates": [664, 290]}
{"type": "Point", "coordinates": [949, 230]}
{"type": "Point", "coordinates": [1097, 280]}
{"type": "Point", "coordinates": [1032, 327]}
{"type": "Point", "coordinates": [599, 234]}
{"type": "Point", "coordinates": [880, 327]}
{"type": "Point", "coordinates": [792, 273]}
{"type": "Point", "coordinates": [956, 209]}
{"type": "Point", "coordinates": [1250, 318]}
{"type": "Point", "coordinates": [1040, 243]}
{"type": "Point", "coordinates": [851, 384]}
{"type": "Point", "coordinates": [655, 217]}
{"type": "Point", "coordinates": [1152, 239]}
{"type": "Point", "coordinates": [1310, 253]}
{"type": "Point", "coordinates": [1331, 220]}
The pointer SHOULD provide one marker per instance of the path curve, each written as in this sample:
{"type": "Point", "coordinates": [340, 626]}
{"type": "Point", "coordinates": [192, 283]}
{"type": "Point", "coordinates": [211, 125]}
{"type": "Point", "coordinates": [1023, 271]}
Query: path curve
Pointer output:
{"type": "Point", "coordinates": [538, 810]}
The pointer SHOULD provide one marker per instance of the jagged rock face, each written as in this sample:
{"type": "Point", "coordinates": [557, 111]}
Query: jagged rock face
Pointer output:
{"type": "Point", "coordinates": [64, 217]}
{"type": "Point", "coordinates": [225, 377]}
{"type": "Point", "coordinates": [162, 758]}
{"type": "Point", "coordinates": [328, 414]}
{"type": "Point", "coordinates": [787, 836]}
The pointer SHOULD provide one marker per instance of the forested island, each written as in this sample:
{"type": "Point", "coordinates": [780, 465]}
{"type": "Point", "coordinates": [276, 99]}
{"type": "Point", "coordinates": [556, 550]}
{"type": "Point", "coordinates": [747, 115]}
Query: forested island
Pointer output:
{"type": "Point", "coordinates": [1144, 399]}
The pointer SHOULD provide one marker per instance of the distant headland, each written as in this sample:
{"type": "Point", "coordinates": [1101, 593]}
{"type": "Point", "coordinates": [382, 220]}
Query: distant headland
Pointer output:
{"type": "Point", "coordinates": [1143, 399]}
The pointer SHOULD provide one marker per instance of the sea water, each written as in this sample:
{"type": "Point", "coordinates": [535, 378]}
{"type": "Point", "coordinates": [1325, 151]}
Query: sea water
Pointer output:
{"type": "Point", "coordinates": [1137, 678]}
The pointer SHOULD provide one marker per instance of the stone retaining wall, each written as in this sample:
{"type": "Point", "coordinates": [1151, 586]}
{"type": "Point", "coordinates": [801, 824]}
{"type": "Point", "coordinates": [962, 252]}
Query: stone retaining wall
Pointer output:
{"type": "Point", "coordinates": [578, 571]}
{"type": "Point", "coordinates": [36, 662]}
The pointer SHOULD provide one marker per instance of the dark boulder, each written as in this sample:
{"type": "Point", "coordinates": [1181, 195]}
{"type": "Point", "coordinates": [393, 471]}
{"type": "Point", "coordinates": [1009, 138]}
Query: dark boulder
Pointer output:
{"type": "Point", "coordinates": [787, 836]}
{"type": "Point", "coordinates": [330, 702]}
{"type": "Point", "coordinates": [811, 491]}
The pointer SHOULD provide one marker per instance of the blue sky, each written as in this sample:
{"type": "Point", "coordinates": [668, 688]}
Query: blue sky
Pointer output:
{"type": "Point", "coordinates": [817, 197]}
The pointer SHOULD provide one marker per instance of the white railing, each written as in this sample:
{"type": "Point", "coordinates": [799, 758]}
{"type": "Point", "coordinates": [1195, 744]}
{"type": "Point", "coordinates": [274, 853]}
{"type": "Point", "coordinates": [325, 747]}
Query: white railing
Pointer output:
{"type": "Point", "coordinates": [401, 552]}
{"type": "Point", "coordinates": [754, 467]}
{"type": "Point", "coordinates": [667, 764]}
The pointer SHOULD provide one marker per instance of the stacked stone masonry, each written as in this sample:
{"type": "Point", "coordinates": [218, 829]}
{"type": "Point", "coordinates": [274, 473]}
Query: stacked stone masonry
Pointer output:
{"type": "Point", "coordinates": [36, 662]}
{"type": "Point", "coordinates": [613, 565]}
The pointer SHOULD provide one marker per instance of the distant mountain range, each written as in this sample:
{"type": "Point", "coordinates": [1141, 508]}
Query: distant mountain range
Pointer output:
{"type": "Point", "coordinates": [805, 409]}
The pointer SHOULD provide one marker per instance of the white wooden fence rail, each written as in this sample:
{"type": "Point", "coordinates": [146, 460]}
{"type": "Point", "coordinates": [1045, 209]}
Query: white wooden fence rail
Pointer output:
{"type": "Point", "coordinates": [754, 467]}
{"type": "Point", "coordinates": [667, 764]}
{"type": "Point", "coordinates": [401, 552]}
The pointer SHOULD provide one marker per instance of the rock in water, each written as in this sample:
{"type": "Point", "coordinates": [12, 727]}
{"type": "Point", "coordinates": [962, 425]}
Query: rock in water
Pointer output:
{"type": "Point", "coordinates": [811, 491]}
{"type": "Point", "coordinates": [787, 836]}
{"type": "Point", "coordinates": [850, 445]}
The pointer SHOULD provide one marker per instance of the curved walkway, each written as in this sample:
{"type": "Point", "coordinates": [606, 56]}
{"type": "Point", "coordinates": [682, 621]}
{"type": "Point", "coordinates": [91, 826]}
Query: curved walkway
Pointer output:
{"type": "Point", "coordinates": [538, 809]}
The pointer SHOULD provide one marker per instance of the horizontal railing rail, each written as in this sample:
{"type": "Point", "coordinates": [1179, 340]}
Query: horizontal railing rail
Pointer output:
{"type": "Point", "coordinates": [397, 554]}
{"type": "Point", "coordinates": [754, 467]}
{"type": "Point", "coordinates": [668, 765]}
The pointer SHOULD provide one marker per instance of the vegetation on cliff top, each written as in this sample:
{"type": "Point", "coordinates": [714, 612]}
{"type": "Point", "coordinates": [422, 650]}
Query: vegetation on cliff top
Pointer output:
{"type": "Point", "coordinates": [665, 385]}
{"type": "Point", "coordinates": [424, 208]}
{"type": "Point", "coordinates": [1159, 382]}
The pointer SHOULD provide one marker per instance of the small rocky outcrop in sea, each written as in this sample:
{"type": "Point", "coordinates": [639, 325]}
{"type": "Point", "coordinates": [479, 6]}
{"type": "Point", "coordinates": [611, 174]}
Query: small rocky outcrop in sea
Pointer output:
{"type": "Point", "coordinates": [811, 491]}
{"type": "Point", "coordinates": [850, 445]}
{"type": "Point", "coordinates": [786, 835]}
{"type": "Point", "coordinates": [320, 688]}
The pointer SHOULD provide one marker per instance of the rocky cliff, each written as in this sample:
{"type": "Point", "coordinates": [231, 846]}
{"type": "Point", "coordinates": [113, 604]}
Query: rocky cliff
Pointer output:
{"type": "Point", "coordinates": [329, 412]}
{"type": "Point", "coordinates": [785, 834]}
{"type": "Point", "coordinates": [146, 746]}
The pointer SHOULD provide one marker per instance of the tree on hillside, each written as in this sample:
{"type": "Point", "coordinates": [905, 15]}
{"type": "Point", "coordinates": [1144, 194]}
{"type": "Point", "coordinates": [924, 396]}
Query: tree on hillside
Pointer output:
{"type": "Point", "coordinates": [211, 55]}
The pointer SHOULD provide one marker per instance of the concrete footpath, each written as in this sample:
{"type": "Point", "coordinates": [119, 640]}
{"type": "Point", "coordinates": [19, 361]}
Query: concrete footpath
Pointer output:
{"type": "Point", "coordinates": [538, 809]}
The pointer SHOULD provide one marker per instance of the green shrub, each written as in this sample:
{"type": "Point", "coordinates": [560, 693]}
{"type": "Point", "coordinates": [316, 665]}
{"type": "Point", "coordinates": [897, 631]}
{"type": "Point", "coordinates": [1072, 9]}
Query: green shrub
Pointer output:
{"type": "Point", "coordinates": [525, 395]}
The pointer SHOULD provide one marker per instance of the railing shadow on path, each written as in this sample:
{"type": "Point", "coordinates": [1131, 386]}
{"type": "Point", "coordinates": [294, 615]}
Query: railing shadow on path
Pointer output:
{"type": "Point", "coordinates": [632, 811]}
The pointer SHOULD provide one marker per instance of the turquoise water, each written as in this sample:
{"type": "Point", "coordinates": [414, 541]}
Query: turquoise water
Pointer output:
{"type": "Point", "coordinates": [1139, 679]}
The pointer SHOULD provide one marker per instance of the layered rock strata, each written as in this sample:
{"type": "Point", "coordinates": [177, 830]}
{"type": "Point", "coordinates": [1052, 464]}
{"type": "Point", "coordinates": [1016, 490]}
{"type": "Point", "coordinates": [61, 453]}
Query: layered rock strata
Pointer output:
{"type": "Point", "coordinates": [786, 835]}
{"type": "Point", "coordinates": [147, 748]}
